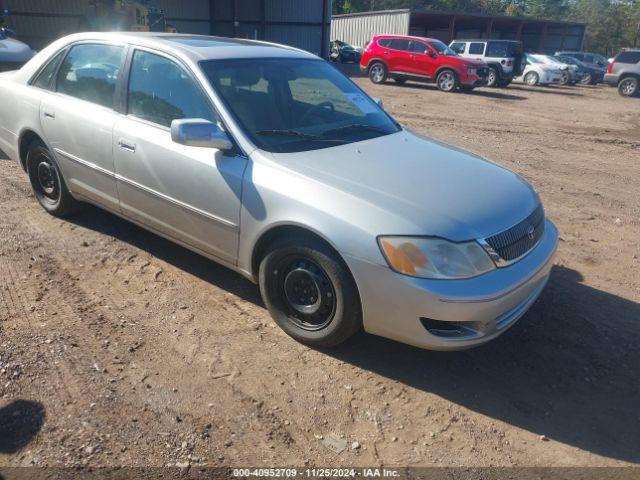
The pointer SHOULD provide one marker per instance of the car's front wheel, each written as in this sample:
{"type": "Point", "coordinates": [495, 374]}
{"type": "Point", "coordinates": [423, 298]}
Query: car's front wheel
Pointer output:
{"type": "Point", "coordinates": [378, 72]}
{"type": "Point", "coordinates": [447, 81]}
{"type": "Point", "coordinates": [628, 87]}
{"type": "Point", "coordinates": [587, 79]}
{"type": "Point", "coordinates": [47, 183]}
{"type": "Point", "coordinates": [309, 291]}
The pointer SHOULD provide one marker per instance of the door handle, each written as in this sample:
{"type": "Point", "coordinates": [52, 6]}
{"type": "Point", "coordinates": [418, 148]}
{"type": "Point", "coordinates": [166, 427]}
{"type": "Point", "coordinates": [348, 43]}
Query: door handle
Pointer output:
{"type": "Point", "coordinates": [50, 115]}
{"type": "Point", "coordinates": [125, 145]}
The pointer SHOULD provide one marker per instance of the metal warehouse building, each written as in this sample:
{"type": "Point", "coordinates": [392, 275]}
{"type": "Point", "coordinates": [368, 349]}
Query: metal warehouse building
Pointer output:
{"type": "Point", "coordinates": [301, 23]}
{"type": "Point", "coordinates": [544, 36]}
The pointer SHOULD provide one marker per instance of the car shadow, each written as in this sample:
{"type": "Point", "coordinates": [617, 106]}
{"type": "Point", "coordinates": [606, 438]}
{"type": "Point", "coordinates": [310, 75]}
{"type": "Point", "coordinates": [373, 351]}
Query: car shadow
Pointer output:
{"type": "Point", "coordinates": [568, 369]}
{"type": "Point", "coordinates": [20, 422]}
{"type": "Point", "coordinates": [476, 92]}
{"type": "Point", "coordinates": [106, 223]}
{"type": "Point", "coordinates": [548, 89]}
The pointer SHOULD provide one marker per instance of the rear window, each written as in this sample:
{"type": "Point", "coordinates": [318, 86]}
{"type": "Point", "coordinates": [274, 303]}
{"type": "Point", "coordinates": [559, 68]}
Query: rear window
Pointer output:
{"type": "Point", "coordinates": [476, 48]}
{"type": "Point", "coordinates": [399, 44]}
{"type": "Point", "coordinates": [384, 42]}
{"type": "Point", "coordinates": [502, 49]}
{"type": "Point", "coordinates": [628, 57]}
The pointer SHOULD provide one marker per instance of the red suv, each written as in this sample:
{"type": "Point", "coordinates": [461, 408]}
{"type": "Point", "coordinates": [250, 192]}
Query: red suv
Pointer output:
{"type": "Point", "coordinates": [423, 59]}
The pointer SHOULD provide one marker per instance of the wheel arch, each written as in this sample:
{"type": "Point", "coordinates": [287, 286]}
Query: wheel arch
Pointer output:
{"type": "Point", "coordinates": [27, 137]}
{"type": "Point", "coordinates": [446, 67]}
{"type": "Point", "coordinates": [377, 60]}
{"type": "Point", "coordinates": [284, 230]}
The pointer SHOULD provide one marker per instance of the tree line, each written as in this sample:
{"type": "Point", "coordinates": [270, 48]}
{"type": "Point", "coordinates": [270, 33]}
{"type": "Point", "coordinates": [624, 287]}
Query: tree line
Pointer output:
{"type": "Point", "coordinates": [611, 24]}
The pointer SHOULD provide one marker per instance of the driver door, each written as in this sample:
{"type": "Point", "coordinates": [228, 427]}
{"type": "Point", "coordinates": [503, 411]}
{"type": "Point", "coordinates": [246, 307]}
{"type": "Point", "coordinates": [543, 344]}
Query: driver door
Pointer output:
{"type": "Point", "coordinates": [191, 194]}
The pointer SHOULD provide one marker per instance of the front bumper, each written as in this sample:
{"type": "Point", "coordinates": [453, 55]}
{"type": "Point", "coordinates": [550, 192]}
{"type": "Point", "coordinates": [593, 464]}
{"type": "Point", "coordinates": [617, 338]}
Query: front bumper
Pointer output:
{"type": "Point", "coordinates": [413, 310]}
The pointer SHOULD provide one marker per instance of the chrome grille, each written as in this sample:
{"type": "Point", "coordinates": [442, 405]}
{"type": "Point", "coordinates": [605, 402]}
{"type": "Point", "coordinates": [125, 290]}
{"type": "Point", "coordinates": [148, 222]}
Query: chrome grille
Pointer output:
{"type": "Point", "coordinates": [519, 239]}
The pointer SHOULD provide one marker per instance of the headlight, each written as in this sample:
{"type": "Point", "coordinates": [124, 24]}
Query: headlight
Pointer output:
{"type": "Point", "coordinates": [435, 257]}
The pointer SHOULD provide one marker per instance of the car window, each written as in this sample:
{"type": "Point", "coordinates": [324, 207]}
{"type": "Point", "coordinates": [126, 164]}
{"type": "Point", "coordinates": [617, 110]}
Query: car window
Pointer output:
{"type": "Point", "coordinates": [458, 47]}
{"type": "Point", "coordinates": [579, 56]}
{"type": "Point", "coordinates": [43, 80]}
{"type": "Point", "coordinates": [90, 72]}
{"type": "Point", "coordinates": [476, 48]}
{"type": "Point", "coordinates": [399, 44]}
{"type": "Point", "coordinates": [384, 42]}
{"type": "Point", "coordinates": [589, 59]}
{"type": "Point", "coordinates": [628, 57]}
{"type": "Point", "coordinates": [442, 48]}
{"type": "Point", "coordinates": [161, 91]}
{"type": "Point", "coordinates": [295, 105]}
{"type": "Point", "coordinates": [502, 49]}
{"type": "Point", "coordinates": [418, 47]}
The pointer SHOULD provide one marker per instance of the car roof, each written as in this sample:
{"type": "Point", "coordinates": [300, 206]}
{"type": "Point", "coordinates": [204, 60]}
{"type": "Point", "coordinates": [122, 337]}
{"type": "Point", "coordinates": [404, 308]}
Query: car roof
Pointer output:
{"type": "Point", "coordinates": [484, 40]}
{"type": "Point", "coordinates": [407, 37]}
{"type": "Point", "coordinates": [197, 47]}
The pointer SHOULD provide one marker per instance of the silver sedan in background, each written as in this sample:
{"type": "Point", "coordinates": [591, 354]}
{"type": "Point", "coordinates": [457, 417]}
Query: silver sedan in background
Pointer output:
{"type": "Point", "coordinates": [266, 159]}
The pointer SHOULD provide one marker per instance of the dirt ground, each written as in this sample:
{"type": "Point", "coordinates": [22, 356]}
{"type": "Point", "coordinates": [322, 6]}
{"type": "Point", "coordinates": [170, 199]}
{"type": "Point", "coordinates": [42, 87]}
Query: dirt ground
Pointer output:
{"type": "Point", "coordinates": [120, 348]}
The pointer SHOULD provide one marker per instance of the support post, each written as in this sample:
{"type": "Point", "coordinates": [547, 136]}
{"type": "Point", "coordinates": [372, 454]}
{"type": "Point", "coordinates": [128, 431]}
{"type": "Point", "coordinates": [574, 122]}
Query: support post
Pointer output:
{"type": "Point", "coordinates": [519, 31]}
{"type": "Point", "coordinates": [323, 48]}
{"type": "Point", "coordinates": [489, 28]}
{"type": "Point", "coordinates": [452, 28]}
{"type": "Point", "coordinates": [212, 17]}
{"type": "Point", "coordinates": [543, 37]}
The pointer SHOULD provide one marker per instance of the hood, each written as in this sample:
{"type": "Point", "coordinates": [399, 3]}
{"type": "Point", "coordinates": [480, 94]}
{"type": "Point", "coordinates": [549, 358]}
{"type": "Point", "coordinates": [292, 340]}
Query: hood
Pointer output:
{"type": "Point", "coordinates": [12, 50]}
{"type": "Point", "coordinates": [411, 185]}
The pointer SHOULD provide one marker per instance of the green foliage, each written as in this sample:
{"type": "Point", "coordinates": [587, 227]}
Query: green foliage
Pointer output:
{"type": "Point", "coordinates": [611, 24]}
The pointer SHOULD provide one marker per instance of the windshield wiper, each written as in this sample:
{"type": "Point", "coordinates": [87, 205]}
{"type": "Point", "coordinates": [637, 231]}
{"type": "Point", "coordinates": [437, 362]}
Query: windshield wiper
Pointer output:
{"type": "Point", "coordinates": [356, 127]}
{"type": "Point", "coordinates": [289, 133]}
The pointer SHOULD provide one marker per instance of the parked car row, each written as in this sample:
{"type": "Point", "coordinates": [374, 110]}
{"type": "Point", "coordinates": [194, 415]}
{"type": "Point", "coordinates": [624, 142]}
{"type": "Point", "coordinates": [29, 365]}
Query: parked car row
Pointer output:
{"type": "Point", "coordinates": [467, 64]}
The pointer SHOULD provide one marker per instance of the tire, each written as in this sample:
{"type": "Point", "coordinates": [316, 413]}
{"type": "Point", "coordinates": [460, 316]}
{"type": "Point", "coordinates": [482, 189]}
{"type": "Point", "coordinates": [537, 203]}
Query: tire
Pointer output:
{"type": "Point", "coordinates": [47, 182]}
{"type": "Point", "coordinates": [378, 72]}
{"type": "Point", "coordinates": [587, 79]}
{"type": "Point", "coordinates": [531, 79]}
{"type": "Point", "coordinates": [399, 80]}
{"type": "Point", "coordinates": [447, 81]}
{"type": "Point", "coordinates": [493, 79]}
{"type": "Point", "coordinates": [309, 291]}
{"type": "Point", "coordinates": [566, 78]}
{"type": "Point", "coordinates": [628, 87]}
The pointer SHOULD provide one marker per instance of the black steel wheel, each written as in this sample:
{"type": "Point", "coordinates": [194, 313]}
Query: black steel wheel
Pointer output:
{"type": "Point", "coordinates": [47, 182]}
{"type": "Point", "coordinates": [309, 291]}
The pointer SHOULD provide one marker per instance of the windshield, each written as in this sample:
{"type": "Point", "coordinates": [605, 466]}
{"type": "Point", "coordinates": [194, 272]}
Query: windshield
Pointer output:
{"type": "Point", "coordinates": [443, 49]}
{"type": "Point", "coordinates": [295, 105]}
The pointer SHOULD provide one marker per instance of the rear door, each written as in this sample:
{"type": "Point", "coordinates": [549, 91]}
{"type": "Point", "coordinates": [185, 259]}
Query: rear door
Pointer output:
{"type": "Point", "coordinates": [399, 56]}
{"type": "Point", "coordinates": [191, 194]}
{"type": "Point", "coordinates": [78, 119]}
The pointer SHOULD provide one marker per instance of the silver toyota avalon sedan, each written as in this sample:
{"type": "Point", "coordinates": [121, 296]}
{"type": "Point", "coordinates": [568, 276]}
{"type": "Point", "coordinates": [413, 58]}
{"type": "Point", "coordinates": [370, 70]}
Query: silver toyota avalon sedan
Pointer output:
{"type": "Point", "coordinates": [266, 159]}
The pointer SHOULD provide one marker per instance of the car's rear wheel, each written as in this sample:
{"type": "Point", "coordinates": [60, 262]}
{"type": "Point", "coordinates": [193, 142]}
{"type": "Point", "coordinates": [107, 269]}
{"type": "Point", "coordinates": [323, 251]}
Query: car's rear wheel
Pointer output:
{"type": "Point", "coordinates": [447, 81]}
{"type": "Point", "coordinates": [628, 87]}
{"type": "Point", "coordinates": [531, 78]}
{"type": "Point", "coordinates": [493, 77]}
{"type": "Point", "coordinates": [378, 72]}
{"type": "Point", "coordinates": [47, 183]}
{"type": "Point", "coordinates": [309, 291]}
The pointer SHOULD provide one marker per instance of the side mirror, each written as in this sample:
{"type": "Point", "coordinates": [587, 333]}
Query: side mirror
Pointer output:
{"type": "Point", "coordinates": [379, 102]}
{"type": "Point", "coordinates": [196, 132]}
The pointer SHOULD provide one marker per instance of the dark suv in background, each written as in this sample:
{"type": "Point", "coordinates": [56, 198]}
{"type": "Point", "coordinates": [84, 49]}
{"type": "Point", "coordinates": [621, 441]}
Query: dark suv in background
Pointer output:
{"type": "Point", "coordinates": [597, 65]}
{"type": "Point", "coordinates": [624, 73]}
